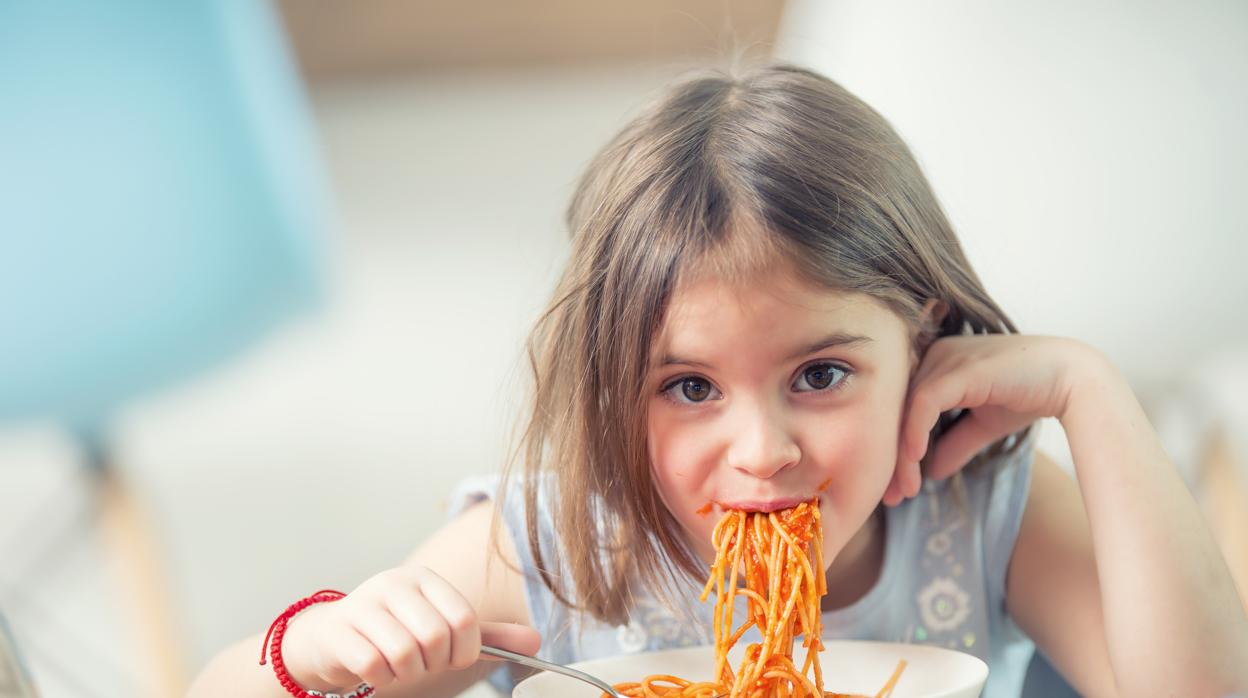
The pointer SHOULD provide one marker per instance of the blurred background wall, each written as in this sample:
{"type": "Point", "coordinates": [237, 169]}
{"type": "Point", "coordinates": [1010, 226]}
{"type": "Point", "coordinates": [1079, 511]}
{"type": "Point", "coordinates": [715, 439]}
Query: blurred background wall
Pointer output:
{"type": "Point", "coordinates": [1090, 158]}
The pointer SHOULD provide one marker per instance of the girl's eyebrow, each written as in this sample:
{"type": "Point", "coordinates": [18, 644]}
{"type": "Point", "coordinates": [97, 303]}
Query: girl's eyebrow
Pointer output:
{"type": "Point", "coordinates": [836, 339]}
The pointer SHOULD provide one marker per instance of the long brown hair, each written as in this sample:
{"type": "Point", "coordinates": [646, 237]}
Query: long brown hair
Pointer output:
{"type": "Point", "coordinates": [727, 172]}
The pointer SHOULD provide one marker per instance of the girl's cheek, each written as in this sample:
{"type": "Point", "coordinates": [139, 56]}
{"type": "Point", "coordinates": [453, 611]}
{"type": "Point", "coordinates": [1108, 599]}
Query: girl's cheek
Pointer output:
{"type": "Point", "coordinates": [839, 449]}
{"type": "Point", "coordinates": [848, 442]}
{"type": "Point", "coordinates": [679, 453]}
{"type": "Point", "coordinates": [678, 476]}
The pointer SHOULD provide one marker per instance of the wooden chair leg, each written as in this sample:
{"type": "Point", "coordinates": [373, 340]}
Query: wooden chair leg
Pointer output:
{"type": "Point", "coordinates": [1226, 490]}
{"type": "Point", "coordinates": [140, 572]}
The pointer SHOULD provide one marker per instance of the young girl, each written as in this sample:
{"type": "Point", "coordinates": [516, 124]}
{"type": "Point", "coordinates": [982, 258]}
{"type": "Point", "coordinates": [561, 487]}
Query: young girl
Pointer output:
{"type": "Point", "coordinates": [764, 298]}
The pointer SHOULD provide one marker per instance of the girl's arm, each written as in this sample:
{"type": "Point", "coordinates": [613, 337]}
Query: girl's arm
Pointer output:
{"type": "Point", "coordinates": [1133, 597]}
{"type": "Point", "coordinates": [458, 552]}
{"type": "Point", "coordinates": [235, 672]}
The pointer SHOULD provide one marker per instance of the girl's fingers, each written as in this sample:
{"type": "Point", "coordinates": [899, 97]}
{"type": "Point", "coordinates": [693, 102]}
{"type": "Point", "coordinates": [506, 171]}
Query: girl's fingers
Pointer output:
{"type": "Point", "coordinates": [401, 654]}
{"type": "Point", "coordinates": [923, 407]}
{"type": "Point", "coordinates": [927, 402]}
{"type": "Point", "coordinates": [892, 494]}
{"type": "Point", "coordinates": [360, 657]}
{"type": "Point", "coordinates": [890, 497]}
{"type": "Point", "coordinates": [958, 445]}
{"type": "Point", "coordinates": [970, 433]}
{"type": "Point", "coordinates": [511, 636]}
{"type": "Point", "coordinates": [427, 625]}
{"type": "Point", "coordinates": [459, 617]}
{"type": "Point", "coordinates": [920, 416]}
{"type": "Point", "coordinates": [908, 479]}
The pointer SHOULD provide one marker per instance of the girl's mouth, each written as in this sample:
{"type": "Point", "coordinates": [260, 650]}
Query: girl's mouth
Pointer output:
{"type": "Point", "coordinates": [763, 505]}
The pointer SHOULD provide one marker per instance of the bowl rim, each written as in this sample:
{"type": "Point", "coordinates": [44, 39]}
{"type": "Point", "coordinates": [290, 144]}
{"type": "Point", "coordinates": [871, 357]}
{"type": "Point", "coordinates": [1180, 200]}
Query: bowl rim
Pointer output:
{"type": "Point", "coordinates": [977, 666]}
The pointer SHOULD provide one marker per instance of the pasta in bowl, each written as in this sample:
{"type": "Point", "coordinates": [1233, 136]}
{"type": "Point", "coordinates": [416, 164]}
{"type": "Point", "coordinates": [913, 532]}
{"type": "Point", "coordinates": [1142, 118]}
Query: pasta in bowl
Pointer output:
{"type": "Point", "coordinates": [774, 560]}
{"type": "Point", "coordinates": [850, 667]}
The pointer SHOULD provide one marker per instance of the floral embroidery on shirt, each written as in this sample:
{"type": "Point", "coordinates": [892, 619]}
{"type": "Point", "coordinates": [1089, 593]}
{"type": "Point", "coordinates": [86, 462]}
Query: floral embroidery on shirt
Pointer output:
{"type": "Point", "coordinates": [939, 543]}
{"type": "Point", "coordinates": [631, 637]}
{"type": "Point", "coordinates": [944, 605]}
{"type": "Point", "coordinates": [653, 626]}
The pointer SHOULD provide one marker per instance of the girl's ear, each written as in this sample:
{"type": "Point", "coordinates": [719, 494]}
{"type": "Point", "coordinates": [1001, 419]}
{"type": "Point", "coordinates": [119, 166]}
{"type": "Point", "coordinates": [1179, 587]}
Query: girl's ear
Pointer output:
{"type": "Point", "coordinates": [930, 318]}
{"type": "Point", "coordinates": [934, 311]}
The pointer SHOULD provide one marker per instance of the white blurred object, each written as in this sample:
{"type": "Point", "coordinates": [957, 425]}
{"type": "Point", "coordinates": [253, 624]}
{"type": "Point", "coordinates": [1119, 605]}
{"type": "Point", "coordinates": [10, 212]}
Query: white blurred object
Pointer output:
{"type": "Point", "coordinates": [1212, 402]}
{"type": "Point", "coordinates": [1204, 426]}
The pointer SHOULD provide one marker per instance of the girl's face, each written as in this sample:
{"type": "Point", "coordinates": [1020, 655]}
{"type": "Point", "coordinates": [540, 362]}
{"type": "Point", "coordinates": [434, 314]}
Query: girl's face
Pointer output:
{"type": "Point", "coordinates": [763, 392]}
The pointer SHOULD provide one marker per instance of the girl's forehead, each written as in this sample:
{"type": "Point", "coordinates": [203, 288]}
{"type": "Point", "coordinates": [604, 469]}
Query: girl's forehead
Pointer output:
{"type": "Point", "coordinates": [777, 291]}
{"type": "Point", "coordinates": [776, 307]}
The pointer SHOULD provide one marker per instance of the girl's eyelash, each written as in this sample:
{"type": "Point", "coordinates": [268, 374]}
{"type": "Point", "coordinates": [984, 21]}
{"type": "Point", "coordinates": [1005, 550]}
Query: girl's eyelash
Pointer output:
{"type": "Point", "coordinates": [666, 390]}
{"type": "Point", "coordinates": [830, 364]}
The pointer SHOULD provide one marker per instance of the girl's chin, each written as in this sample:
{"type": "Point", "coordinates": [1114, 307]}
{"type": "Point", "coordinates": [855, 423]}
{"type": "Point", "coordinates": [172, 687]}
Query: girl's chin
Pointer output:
{"type": "Point", "coordinates": [830, 551]}
{"type": "Point", "coordinates": [699, 542]}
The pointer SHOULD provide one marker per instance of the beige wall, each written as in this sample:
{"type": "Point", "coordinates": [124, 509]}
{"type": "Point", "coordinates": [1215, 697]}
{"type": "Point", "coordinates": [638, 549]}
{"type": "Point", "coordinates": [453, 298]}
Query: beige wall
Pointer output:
{"type": "Point", "coordinates": [340, 39]}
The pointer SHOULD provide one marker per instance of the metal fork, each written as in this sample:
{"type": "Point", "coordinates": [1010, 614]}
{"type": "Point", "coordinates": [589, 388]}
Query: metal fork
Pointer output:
{"type": "Point", "coordinates": [536, 663]}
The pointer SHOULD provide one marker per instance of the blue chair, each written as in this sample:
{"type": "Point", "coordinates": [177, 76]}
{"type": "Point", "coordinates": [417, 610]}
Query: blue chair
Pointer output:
{"type": "Point", "coordinates": [162, 204]}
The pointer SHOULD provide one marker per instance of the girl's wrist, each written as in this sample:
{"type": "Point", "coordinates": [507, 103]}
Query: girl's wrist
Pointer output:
{"type": "Point", "coordinates": [1092, 382]}
{"type": "Point", "coordinates": [296, 653]}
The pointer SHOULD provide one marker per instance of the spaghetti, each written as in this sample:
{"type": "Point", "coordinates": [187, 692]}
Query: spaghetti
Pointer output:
{"type": "Point", "coordinates": [763, 557]}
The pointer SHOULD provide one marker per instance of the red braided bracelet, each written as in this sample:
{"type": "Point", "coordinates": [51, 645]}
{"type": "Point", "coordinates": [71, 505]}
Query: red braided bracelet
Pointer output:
{"type": "Point", "coordinates": [278, 629]}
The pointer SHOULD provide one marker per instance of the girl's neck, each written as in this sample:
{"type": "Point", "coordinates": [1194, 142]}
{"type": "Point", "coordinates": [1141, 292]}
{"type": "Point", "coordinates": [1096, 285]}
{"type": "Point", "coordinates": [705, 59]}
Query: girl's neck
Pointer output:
{"type": "Point", "coordinates": [857, 567]}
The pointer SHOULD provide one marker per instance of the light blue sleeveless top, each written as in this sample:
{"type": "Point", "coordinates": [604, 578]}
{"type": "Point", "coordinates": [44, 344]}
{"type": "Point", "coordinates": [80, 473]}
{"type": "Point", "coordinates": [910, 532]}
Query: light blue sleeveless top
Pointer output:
{"type": "Point", "coordinates": [942, 582]}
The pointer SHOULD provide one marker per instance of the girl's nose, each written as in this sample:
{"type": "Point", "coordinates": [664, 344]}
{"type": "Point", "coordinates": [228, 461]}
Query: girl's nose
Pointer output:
{"type": "Point", "coordinates": [761, 446]}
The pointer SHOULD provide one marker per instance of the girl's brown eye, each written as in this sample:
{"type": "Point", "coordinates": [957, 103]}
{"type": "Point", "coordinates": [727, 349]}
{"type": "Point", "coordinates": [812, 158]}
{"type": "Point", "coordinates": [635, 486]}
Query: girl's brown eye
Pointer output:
{"type": "Point", "coordinates": [695, 389]}
{"type": "Point", "coordinates": [691, 390]}
{"type": "Point", "coordinates": [820, 377]}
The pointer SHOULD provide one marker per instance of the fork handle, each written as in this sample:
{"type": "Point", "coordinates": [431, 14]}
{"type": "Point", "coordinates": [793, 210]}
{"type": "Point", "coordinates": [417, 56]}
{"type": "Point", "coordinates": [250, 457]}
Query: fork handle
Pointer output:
{"type": "Point", "coordinates": [536, 663]}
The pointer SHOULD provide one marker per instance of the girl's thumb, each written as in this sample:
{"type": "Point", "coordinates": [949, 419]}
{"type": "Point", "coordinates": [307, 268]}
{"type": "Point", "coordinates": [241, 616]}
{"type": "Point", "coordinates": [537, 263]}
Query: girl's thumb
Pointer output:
{"type": "Point", "coordinates": [510, 636]}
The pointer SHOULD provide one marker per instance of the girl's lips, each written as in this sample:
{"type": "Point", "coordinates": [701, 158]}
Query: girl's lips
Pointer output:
{"type": "Point", "coordinates": [764, 505]}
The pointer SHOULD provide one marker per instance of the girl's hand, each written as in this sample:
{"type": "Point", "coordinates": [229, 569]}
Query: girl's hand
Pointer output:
{"type": "Point", "coordinates": [1004, 381]}
{"type": "Point", "coordinates": [398, 625]}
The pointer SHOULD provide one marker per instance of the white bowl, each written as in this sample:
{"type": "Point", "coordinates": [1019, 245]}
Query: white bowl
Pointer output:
{"type": "Point", "coordinates": [848, 667]}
